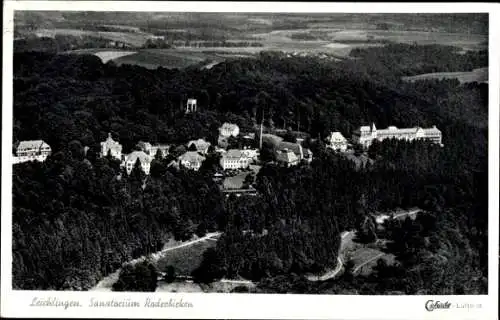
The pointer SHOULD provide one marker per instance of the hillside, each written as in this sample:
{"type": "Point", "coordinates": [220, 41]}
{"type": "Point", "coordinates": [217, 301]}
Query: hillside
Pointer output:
{"type": "Point", "coordinates": [74, 221]}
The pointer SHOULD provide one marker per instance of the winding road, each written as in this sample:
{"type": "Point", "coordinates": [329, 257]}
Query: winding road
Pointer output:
{"type": "Point", "coordinates": [332, 273]}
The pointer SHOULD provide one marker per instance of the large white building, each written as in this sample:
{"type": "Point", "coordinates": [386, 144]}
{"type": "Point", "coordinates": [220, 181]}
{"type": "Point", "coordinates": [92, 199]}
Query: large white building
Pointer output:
{"type": "Point", "coordinates": [235, 159]}
{"type": "Point", "coordinates": [365, 135]}
{"type": "Point", "coordinates": [111, 146]}
{"type": "Point", "coordinates": [229, 129]}
{"type": "Point", "coordinates": [32, 150]}
{"type": "Point", "coordinates": [144, 159]}
{"type": "Point", "coordinates": [336, 141]}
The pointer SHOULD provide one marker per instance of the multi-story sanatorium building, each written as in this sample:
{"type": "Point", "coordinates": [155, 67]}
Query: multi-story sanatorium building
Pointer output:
{"type": "Point", "coordinates": [365, 135]}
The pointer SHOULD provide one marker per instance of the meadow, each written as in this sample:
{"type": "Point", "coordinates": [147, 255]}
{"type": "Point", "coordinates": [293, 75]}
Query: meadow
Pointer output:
{"type": "Point", "coordinates": [185, 259]}
{"type": "Point", "coordinates": [476, 75]}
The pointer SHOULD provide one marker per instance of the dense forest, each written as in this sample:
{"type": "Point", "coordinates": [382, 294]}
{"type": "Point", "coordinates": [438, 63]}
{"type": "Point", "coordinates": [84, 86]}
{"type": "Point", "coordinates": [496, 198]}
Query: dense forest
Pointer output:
{"type": "Point", "coordinates": [77, 217]}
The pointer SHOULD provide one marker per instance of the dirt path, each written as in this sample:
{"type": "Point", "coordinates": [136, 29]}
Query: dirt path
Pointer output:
{"type": "Point", "coordinates": [367, 261]}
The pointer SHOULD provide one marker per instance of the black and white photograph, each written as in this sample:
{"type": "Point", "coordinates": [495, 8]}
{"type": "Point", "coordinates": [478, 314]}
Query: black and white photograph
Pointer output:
{"type": "Point", "coordinates": [262, 153]}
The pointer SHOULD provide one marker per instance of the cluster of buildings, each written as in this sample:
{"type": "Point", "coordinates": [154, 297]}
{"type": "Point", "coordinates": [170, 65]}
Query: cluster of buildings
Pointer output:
{"type": "Point", "coordinates": [145, 155]}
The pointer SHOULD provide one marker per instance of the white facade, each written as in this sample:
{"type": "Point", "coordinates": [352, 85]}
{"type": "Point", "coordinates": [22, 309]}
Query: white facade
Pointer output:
{"type": "Point", "coordinates": [235, 159]}
{"type": "Point", "coordinates": [112, 146]}
{"type": "Point", "coordinates": [366, 135]}
{"type": "Point", "coordinates": [229, 129]}
{"type": "Point", "coordinates": [191, 160]}
{"type": "Point", "coordinates": [336, 141]}
{"type": "Point", "coordinates": [131, 159]}
{"type": "Point", "coordinates": [253, 154]}
{"type": "Point", "coordinates": [191, 105]}
{"type": "Point", "coordinates": [32, 150]}
{"type": "Point", "coordinates": [164, 149]}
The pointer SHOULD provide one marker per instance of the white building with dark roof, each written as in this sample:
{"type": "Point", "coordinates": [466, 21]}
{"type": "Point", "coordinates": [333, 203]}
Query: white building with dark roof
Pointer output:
{"type": "Point", "coordinates": [32, 150]}
{"type": "Point", "coordinates": [111, 146]}
{"type": "Point", "coordinates": [235, 159]}
{"type": "Point", "coordinates": [365, 135]}
{"type": "Point", "coordinates": [294, 147]}
{"type": "Point", "coordinates": [144, 159]}
{"type": "Point", "coordinates": [336, 141]}
{"type": "Point", "coordinates": [287, 158]}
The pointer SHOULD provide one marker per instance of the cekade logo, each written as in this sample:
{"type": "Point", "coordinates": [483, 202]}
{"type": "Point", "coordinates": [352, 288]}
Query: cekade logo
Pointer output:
{"type": "Point", "coordinates": [432, 305]}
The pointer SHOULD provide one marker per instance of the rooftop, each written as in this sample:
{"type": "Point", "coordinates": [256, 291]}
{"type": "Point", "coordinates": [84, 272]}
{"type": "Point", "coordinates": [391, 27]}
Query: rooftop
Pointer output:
{"type": "Point", "coordinates": [143, 157]}
{"type": "Point", "coordinates": [337, 136]}
{"type": "Point", "coordinates": [288, 157]}
{"type": "Point", "coordinates": [31, 144]}
{"type": "Point", "coordinates": [191, 156]}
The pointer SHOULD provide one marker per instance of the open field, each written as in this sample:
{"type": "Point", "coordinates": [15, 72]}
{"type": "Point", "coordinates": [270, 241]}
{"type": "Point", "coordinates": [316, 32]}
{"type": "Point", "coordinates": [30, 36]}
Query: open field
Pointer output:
{"type": "Point", "coordinates": [167, 58]}
{"type": "Point", "coordinates": [476, 75]}
{"type": "Point", "coordinates": [185, 259]}
{"type": "Point", "coordinates": [134, 39]}
{"type": "Point", "coordinates": [366, 258]}
{"type": "Point", "coordinates": [106, 56]}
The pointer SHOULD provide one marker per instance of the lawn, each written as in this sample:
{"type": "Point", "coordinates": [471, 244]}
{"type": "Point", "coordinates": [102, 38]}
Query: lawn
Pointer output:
{"type": "Point", "coordinates": [477, 75]}
{"type": "Point", "coordinates": [185, 259]}
{"type": "Point", "coordinates": [167, 58]}
{"type": "Point", "coordinates": [365, 259]}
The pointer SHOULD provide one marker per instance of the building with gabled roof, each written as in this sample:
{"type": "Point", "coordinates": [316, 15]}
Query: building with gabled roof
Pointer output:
{"type": "Point", "coordinates": [32, 150]}
{"type": "Point", "coordinates": [235, 159]}
{"type": "Point", "coordinates": [111, 146]}
{"type": "Point", "coordinates": [191, 160]}
{"type": "Point", "coordinates": [336, 141]}
{"type": "Point", "coordinates": [201, 145]}
{"type": "Point", "coordinates": [287, 158]}
{"type": "Point", "coordinates": [296, 148]}
{"type": "Point", "coordinates": [130, 160]}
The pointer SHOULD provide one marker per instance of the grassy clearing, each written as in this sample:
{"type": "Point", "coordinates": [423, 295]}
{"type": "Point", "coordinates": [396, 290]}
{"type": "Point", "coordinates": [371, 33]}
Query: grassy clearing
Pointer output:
{"type": "Point", "coordinates": [477, 75]}
{"type": "Point", "coordinates": [365, 259]}
{"type": "Point", "coordinates": [185, 259]}
{"type": "Point", "coordinates": [167, 58]}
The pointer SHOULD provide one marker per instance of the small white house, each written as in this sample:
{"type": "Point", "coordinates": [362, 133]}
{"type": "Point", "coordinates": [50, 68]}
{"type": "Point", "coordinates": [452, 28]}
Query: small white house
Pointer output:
{"type": "Point", "coordinates": [337, 142]}
{"type": "Point", "coordinates": [191, 160]}
{"type": "Point", "coordinates": [201, 145]}
{"type": "Point", "coordinates": [229, 129]}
